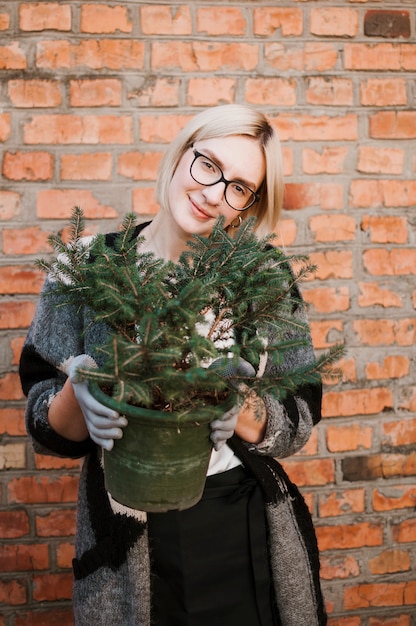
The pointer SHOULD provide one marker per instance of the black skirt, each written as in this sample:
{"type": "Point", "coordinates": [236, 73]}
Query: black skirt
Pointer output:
{"type": "Point", "coordinates": [210, 563]}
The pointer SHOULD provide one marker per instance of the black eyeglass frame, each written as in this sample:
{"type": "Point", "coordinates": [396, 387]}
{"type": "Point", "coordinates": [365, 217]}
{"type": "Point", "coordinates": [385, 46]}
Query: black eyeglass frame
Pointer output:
{"type": "Point", "coordinates": [222, 179]}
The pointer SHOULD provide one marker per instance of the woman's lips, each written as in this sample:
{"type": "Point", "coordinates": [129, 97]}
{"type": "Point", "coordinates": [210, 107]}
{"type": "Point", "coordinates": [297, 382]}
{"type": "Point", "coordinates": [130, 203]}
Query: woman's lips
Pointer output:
{"type": "Point", "coordinates": [198, 212]}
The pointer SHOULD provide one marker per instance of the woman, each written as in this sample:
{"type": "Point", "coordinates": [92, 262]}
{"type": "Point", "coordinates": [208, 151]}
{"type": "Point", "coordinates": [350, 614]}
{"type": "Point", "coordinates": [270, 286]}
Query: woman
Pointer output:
{"type": "Point", "coordinates": [246, 555]}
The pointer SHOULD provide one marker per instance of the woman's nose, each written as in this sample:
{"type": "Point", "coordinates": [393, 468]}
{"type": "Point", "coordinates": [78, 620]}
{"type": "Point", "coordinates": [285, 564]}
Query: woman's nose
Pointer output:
{"type": "Point", "coordinates": [214, 194]}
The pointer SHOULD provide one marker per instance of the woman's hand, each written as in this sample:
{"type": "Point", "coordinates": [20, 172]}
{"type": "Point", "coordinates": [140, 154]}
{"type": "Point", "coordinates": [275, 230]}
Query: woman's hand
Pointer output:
{"type": "Point", "coordinates": [252, 419]}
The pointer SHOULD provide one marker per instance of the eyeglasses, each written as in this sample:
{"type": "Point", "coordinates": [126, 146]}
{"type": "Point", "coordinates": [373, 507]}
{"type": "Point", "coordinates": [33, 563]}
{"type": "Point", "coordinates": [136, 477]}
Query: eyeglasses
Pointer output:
{"type": "Point", "coordinates": [237, 195]}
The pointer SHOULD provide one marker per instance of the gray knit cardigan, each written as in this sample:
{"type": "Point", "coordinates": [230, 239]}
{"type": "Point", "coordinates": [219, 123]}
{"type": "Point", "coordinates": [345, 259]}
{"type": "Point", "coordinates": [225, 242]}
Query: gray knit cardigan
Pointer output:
{"type": "Point", "coordinates": [112, 561]}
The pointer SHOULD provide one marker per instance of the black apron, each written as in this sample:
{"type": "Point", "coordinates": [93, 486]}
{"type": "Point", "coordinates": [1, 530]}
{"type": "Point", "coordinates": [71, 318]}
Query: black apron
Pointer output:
{"type": "Point", "coordinates": [209, 563]}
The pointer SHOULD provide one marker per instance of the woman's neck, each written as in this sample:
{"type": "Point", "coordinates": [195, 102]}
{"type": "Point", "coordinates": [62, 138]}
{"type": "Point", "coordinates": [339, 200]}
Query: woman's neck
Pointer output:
{"type": "Point", "coordinates": [161, 238]}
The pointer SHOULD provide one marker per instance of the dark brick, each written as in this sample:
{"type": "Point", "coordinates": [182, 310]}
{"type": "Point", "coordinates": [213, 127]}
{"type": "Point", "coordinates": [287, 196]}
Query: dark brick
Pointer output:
{"type": "Point", "coordinates": [387, 24]}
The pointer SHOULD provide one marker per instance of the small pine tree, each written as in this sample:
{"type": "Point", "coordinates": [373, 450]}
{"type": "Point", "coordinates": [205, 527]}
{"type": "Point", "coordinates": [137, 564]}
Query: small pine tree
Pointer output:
{"type": "Point", "coordinates": [166, 322]}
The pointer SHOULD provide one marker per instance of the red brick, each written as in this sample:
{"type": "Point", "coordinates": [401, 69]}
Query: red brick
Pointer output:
{"type": "Point", "coordinates": [65, 552]}
{"type": "Point", "coordinates": [20, 279]}
{"type": "Point", "coordinates": [50, 617]}
{"type": "Point", "coordinates": [101, 18]}
{"type": "Point", "coordinates": [393, 366]}
{"type": "Point", "coordinates": [333, 227]}
{"type": "Point", "coordinates": [14, 524]}
{"type": "Point", "coordinates": [95, 93]}
{"type": "Point", "coordinates": [223, 21]}
{"type": "Point", "coordinates": [346, 536]}
{"type": "Point", "coordinates": [386, 229]}
{"type": "Point", "coordinates": [48, 462]}
{"type": "Point", "coordinates": [16, 344]}
{"type": "Point", "coordinates": [16, 314]}
{"type": "Point", "coordinates": [31, 240]}
{"type": "Point", "coordinates": [380, 56]}
{"type": "Point", "coordinates": [20, 557]}
{"type": "Point", "coordinates": [373, 332]}
{"type": "Point", "coordinates": [405, 531]}
{"type": "Point", "coordinates": [347, 438]}
{"type": "Point", "coordinates": [331, 160]}
{"type": "Point", "coordinates": [112, 54]}
{"type": "Point", "coordinates": [161, 128]}
{"type": "Point", "coordinates": [396, 262]}
{"type": "Point", "coordinates": [9, 204]}
{"type": "Point", "coordinates": [37, 16]}
{"type": "Point", "coordinates": [334, 22]}
{"type": "Point", "coordinates": [374, 595]}
{"type": "Point", "coordinates": [5, 126]}
{"type": "Point", "coordinates": [10, 388]}
{"type": "Point", "coordinates": [165, 20]}
{"type": "Point", "coordinates": [13, 592]}
{"type": "Point", "coordinates": [12, 422]}
{"type": "Point", "coordinates": [144, 202]}
{"type": "Point", "coordinates": [156, 92]}
{"type": "Point", "coordinates": [317, 128]}
{"type": "Point", "coordinates": [56, 524]}
{"type": "Point", "coordinates": [357, 402]}
{"type": "Point", "coordinates": [59, 203]}
{"type": "Point", "coordinates": [332, 264]}
{"type": "Point", "coordinates": [52, 587]}
{"type": "Point", "coordinates": [326, 333]}
{"type": "Point", "coordinates": [381, 92]}
{"type": "Point", "coordinates": [272, 21]}
{"type": "Point", "coordinates": [387, 23]}
{"type": "Point", "coordinates": [203, 56]}
{"type": "Point", "coordinates": [4, 21]}
{"type": "Point", "coordinates": [341, 567]}
{"type": "Point", "coordinates": [211, 91]}
{"type": "Point", "coordinates": [328, 299]}
{"type": "Point", "coordinates": [311, 472]}
{"type": "Point", "coordinates": [374, 160]}
{"type": "Point", "coordinates": [399, 432]}
{"type": "Point", "coordinates": [42, 489]}
{"type": "Point", "coordinates": [34, 93]}
{"type": "Point", "coordinates": [397, 620]}
{"type": "Point", "coordinates": [390, 562]}
{"type": "Point", "coordinates": [329, 91]}
{"type": "Point", "coordinates": [12, 57]}
{"type": "Point", "coordinates": [372, 294]}
{"type": "Point", "coordinates": [342, 503]}
{"type": "Point", "coordinates": [139, 165]}
{"type": "Point", "coordinates": [393, 498]}
{"type": "Point", "coordinates": [32, 166]}
{"type": "Point", "coordinates": [277, 91]}
{"type": "Point", "coordinates": [393, 125]}
{"type": "Point", "coordinates": [372, 467]}
{"type": "Point", "coordinates": [88, 129]}
{"type": "Point", "coordinates": [86, 166]}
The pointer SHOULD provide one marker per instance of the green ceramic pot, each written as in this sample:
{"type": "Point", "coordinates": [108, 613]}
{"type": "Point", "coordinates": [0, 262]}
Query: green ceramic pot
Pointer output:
{"type": "Point", "coordinates": [161, 461]}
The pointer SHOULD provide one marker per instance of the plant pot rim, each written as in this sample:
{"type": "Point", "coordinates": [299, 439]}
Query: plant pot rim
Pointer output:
{"type": "Point", "coordinates": [199, 415]}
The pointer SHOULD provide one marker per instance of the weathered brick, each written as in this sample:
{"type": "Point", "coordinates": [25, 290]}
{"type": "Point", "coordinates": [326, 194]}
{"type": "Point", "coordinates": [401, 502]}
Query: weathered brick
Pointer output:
{"type": "Point", "coordinates": [374, 595]}
{"type": "Point", "coordinates": [14, 524]}
{"type": "Point", "coordinates": [9, 204]}
{"type": "Point", "coordinates": [16, 314]}
{"type": "Point", "coordinates": [346, 536]}
{"type": "Point", "coordinates": [334, 22]}
{"type": "Point", "coordinates": [112, 54]}
{"type": "Point", "coordinates": [86, 166]}
{"type": "Point", "coordinates": [383, 92]}
{"type": "Point", "coordinates": [393, 125]}
{"type": "Point", "coordinates": [372, 294]}
{"type": "Point", "coordinates": [342, 503]}
{"type": "Point", "coordinates": [95, 93]}
{"type": "Point", "coordinates": [339, 567]}
{"type": "Point", "coordinates": [211, 91]}
{"type": "Point", "coordinates": [203, 56]}
{"type": "Point", "coordinates": [50, 616]}
{"type": "Point", "coordinates": [52, 587]}
{"type": "Point", "coordinates": [12, 57]}
{"type": "Point", "coordinates": [165, 19]}
{"type": "Point", "coordinates": [139, 165]}
{"type": "Point", "coordinates": [76, 129]}
{"type": "Point", "coordinates": [20, 557]}
{"type": "Point", "coordinates": [311, 472]}
{"type": "Point", "coordinates": [393, 497]}
{"type": "Point", "coordinates": [378, 466]}
{"type": "Point", "coordinates": [347, 438]}
{"type": "Point", "coordinates": [13, 591]}
{"type": "Point", "coordinates": [396, 262]}
{"type": "Point", "coordinates": [101, 18]}
{"type": "Point", "coordinates": [34, 93]}
{"type": "Point", "coordinates": [387, 23]}
{"type": "Point", "coordinates": [58, 523]}
{"type": "Point", "coordinates": [223, 21]}
{"type": "Point", "coordinates": [373, 160]}
{"type": "Point", "coordinates": [331, 160]}
{"type": "Point", "coordinates": [27, 166]}
{"type": "Point", "coordinates": [42, 489]}
{"type": "Point", "coordinates": [12, 455]}
{"type": "Point", "coordinates": [357, 402]}
{"type": "Point", "coordinates": [399, 432]}
{"type": "Point", "coordinates": [37, 16]}
{"type": "Point", "coordinates": [329, 91]}
{"type": "Point", "coordinates": [59, 203]}
{"type": "Point", "coordinates": [393, 366]}
{"type": "Point", "coordinates": [5, 120]}
{"type": "Point", "coordinates": [277, 21]}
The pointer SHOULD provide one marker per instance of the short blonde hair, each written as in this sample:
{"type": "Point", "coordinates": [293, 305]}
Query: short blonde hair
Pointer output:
{"type": "Point", "coordinates": [222, 121]}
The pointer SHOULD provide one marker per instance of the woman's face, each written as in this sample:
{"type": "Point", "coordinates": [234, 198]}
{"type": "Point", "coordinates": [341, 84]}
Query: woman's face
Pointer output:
{"type": "Point", "coordinates": [195, 207]}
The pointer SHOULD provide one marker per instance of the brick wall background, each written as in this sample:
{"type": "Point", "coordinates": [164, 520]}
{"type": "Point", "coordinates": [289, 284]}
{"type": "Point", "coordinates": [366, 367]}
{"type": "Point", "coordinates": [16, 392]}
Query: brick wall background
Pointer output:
{"type": "Point", "coordinates": [91, 93]}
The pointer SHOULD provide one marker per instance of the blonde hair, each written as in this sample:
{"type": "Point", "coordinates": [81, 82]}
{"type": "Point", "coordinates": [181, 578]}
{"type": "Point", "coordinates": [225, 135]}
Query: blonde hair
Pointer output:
{"type": "Point", "coordinates": [222, 121]}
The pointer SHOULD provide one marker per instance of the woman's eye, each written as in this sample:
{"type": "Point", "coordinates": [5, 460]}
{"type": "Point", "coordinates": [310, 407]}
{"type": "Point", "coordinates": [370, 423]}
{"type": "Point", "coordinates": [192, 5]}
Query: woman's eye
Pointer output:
{"type": "Point", "coordinates": [209, 166]}
{"type": "Point", "coordinates": [240, 190]}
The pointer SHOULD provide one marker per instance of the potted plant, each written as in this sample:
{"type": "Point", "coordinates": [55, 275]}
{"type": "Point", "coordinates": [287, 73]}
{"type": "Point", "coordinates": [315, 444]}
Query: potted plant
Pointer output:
{"type": "Point", "coordinates": [166, 323]}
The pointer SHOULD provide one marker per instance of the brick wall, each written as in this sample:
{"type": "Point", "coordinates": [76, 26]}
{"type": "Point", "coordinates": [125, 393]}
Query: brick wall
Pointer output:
{"type": "Point", "coordinates": [91, 93]}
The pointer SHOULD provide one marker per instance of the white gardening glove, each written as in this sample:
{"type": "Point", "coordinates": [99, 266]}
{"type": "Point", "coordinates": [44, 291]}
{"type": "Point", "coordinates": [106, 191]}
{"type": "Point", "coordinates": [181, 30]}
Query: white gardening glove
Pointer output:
{"type": "Point", "coordinates": [222, 429]}
{"type": "Point", "coordinates": [104, 424]}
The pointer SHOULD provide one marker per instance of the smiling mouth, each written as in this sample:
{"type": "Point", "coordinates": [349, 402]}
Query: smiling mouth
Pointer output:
{"type": "Point", "coordinates": [198, 211]}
